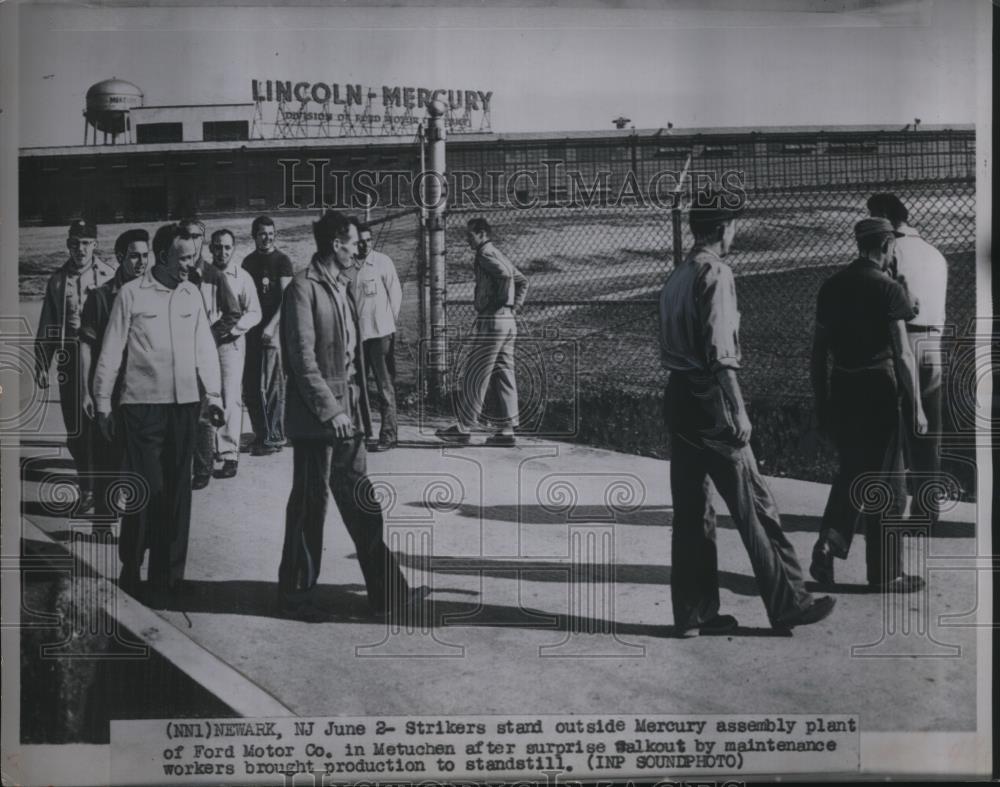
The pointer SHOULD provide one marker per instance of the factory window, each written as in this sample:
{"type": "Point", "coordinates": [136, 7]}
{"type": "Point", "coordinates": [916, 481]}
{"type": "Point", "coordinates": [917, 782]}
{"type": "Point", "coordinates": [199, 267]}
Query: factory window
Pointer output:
{"type": "Point", "coordinates": [153, 133]}
{"type": "Point", "coordinates": [225, 131]}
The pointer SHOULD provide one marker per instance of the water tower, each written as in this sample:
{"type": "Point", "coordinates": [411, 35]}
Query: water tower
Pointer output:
{"type": "Point", "coordinates": [108, 106]}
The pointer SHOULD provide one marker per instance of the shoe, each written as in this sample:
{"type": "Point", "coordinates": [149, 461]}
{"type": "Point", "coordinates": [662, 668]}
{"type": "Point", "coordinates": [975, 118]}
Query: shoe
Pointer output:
{"type": "Point", "coordinates": [819, 609]}
{"type": "Point", "coordinates": [228, 469]}
{"type": "Point", "coordinates": [821, 567]}
{"type": "Point", "coordinates": [200, 481]}
{"type": "Point", "coordinates": [385, 444]}
{"type": "Point", "coordinates": [415, 597]}
{"type": "Point", "coordinates": [501, 439]}
{"type": "Point", "coordinates": [453, 435]}
{"type": "Point", "coordinates": [720, 624]}
{"type": "Point", "coordinates": [305, 611]}
{"type": "Point", "coordinates": [259, 449]}
{"type": "Point", "coordinates": [904, 583]}
{"type": "Point", "coordinates": [85, 502]}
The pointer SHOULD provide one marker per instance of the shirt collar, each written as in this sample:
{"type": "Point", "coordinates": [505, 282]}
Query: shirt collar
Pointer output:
{"type": "Point", "coordinates": [149, 280]}
{"type": "Point", "coordinates": [864, 262]}
{"type": "Point", "coordinates": [908, 231]}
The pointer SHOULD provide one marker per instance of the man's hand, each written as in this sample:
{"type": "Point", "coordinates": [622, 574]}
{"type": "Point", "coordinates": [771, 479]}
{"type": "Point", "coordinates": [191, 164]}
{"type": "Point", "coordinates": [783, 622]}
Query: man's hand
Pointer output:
{"type": "Point", "coordinates": [216, 415]}
{"type": "Point", "coordinates": [743, 428]}
{"type": "Point", "coordinates": [921, 421]}
{"type": "Point", "coordinates": [42, 378]}
{"type": "Point", "coordinates": [342, 426]}
{"type": "Point", "coordinates": [107, 426]}
{"type": "Point", "coordinates": [88, 406]}
{"type": "Point", "coordinates": [268, 337]}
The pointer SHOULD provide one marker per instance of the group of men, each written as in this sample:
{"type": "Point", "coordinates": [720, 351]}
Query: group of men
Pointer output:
{"type": "Point", "coordinates": [155, 358]}
{"type": "Point", "coordinates": [879, 321]}
{"type": "Point", "coordinates": [167, 345]}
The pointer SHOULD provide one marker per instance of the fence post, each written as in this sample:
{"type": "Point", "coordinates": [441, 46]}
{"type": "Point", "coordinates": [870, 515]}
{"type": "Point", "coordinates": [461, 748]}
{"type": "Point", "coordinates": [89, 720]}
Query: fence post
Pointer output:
{"type": "Point", "coordinates": [677, 235]}
{"type": "Point", "coordinates": [436, 203]}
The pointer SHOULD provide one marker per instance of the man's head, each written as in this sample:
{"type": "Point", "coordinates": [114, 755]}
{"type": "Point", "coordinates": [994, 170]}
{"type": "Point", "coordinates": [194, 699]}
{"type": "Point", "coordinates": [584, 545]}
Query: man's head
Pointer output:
{"type": "Point", "coordinates": [81, 242]}
{"type": "Point", "coordinates": [713, 220]}
{"type": "Point", "coordinates": [195, 230]}
{"type": "Point", "coordinates": [222, 247]}
{"type": "Point", "coordinates": [132, 251]}
{"type": "Point", "coordinates": [876, 239]}
{"type": "Point", "coordinates": [364, 241]}
{"type": "Point", "coordinates": [174, 251]}
{"type": "Point", "coordinates": [477, 232]}
{"type": "Point", "coordinates": [262, 230]}
{"type": "Point", "coordinates": [888, 206]}
{"type": "Point", "coordinates": [337, 235]}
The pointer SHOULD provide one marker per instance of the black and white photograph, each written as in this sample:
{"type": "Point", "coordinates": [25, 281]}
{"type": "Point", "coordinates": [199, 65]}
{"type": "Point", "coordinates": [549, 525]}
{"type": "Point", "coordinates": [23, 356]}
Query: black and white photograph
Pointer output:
{"type": "Point", "coordinates": [543, 392]}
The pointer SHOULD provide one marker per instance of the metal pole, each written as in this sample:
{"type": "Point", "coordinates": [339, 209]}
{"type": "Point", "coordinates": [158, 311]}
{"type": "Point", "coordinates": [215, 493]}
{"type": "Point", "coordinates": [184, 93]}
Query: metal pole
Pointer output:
{"type": "Point", "coordinates": [436, 199]}
{"type": "Point", "coordinates": [423, 312]}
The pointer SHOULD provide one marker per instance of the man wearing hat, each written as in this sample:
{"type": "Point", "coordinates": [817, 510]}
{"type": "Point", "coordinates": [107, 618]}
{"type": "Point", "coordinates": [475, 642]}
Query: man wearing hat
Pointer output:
{"type": "Point", "coordinates": [58, 337]}
{"type": "Point", "coordinates": [710, 433]}
{"type": "Point", "coordinates": [861, 316]}
{"type": "Point", "coordinates": [925, 271]}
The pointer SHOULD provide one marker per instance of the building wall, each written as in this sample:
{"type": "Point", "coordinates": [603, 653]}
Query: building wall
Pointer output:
{"type": "Point", "coordinates": [191, 118]}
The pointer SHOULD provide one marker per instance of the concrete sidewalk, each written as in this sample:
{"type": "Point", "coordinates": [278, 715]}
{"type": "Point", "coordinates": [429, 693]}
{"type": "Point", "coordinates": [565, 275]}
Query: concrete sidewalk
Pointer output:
{"type": "Point", "coordinates": [550, 569]}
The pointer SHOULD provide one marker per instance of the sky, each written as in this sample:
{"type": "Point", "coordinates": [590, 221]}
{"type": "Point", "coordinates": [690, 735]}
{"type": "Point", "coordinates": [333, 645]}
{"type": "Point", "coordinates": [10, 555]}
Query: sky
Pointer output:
{"type": "Point", "coordinates": [550, 67]}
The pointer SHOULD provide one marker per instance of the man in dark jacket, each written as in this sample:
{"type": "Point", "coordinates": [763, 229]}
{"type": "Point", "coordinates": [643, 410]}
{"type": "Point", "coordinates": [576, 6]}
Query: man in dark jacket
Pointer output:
{"type": "Point", "coordinates": [58, 339]}
{"type": "Point", "coordinates": [327, 417]}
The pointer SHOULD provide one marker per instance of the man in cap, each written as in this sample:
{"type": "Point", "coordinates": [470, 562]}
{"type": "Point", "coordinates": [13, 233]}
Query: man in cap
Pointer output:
{"type": "Point", "coordinates": [263, 380]}
{"type": "Point", "coordinates": [327, 418]}
{"type": "Point", "coordinates": [160, 342]}
{"type": "Point", "coordinates": [224, 313]}
{"type": "Point", "coordinates": [132, 253]}
{"type": "Point", "coordinates": [710, 433]}
{"type": "Point", "coordinates": [379, 297]}
{"type": "Point", "coordinates": [58, 337]}
{"type": "Point", "coordinates": [499, 295]}
{"type": "Point", "coordinates": [861, 315]}
{"type": "Point", "coordinates": [925, 271]}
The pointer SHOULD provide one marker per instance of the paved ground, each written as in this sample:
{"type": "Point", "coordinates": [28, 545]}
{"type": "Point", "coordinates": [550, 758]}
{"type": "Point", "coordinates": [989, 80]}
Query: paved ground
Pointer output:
{"type": "Point", "coordinates": [527, 615]}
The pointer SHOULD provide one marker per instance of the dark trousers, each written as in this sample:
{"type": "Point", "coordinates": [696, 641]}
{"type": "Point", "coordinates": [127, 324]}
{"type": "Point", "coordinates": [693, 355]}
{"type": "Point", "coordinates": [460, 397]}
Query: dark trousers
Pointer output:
{"type": "Point", "coordinates": [869, 482]}
{"type": "Point", "coordinates": [159, 444]}
{"type": "Point", "coordinates": [107, 460]}
{"type": "Point", "coordinates": [697, 456]}
{"type": "Point", "coordinates": [80, 430]}
{"type": "Point", "coordinates": [923, 452]}
{"type": "Point", "coordinates": [380, 357]}
{"type": "Point", "coordinates": [264, 391]}
{"type": "Point", "coordinates": [341, 467]}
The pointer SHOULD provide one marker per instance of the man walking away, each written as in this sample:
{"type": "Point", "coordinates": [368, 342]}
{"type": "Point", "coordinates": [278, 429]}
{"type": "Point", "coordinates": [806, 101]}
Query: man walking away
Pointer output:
{"type": "Point", "coordinates": [499, 295]}
{"type": "Point", "coordinates": [159, 331]}
{"type": "Point", "coordinates": [263, 379]}
{"type": "Point", "coordinates": [132, 253]}
{"type": "Point", "coordinates": [925, 271]}
{"type": "Point", "coordinates": [379, 297]}
{"type": "Point", "coordinates": [328, 419]}
{"type": "Point", "coordinates": [861, 316]}
{"type": "Point", "coordinates": [58, 338]}
{"type": "Point", "coordinates": [709, 437]}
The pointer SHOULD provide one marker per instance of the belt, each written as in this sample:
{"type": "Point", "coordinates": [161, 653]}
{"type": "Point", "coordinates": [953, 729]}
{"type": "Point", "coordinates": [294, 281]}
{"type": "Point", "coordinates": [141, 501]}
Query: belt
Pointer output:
{"type": "Point", "coordinates": [922, 328]}
{"type": "Point", "coordinates": [888, 363]}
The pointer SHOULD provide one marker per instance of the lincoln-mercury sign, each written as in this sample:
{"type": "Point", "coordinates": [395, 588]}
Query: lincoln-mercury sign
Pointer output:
{"type": "Point", "coordinates": [354, 95]}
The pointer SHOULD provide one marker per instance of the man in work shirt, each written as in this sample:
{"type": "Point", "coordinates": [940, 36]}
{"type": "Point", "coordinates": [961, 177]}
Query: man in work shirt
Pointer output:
{"type": "Point", "coordinates": [925, 271]}
{"type": "Point", "coordinates": [861, 316]}
{"type": "Point", "coordinates": [58, 337]}
{"type": "Point", "coordinates": [499, 295]}
{"type": "Point", "coordinates": [159, 331]}
{"type": "Point", "coordinates": [710, 433]}
{"type": "Point", "coordinates": [327, 418]}
{"type": "Point", "coordinates": [132, 252]}
{"type": "Point", "coordinates": [263, 379]}
{"type": "Point", "coordinates": [224, 313]}
{"type": "Point", "coordinates": [232, 352]}
{"type": "Point", "coordinates": [379, 297]}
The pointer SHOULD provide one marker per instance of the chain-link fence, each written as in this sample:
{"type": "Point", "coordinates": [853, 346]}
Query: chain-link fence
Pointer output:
{"type": "Point", "coordinates": [590, 226]}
